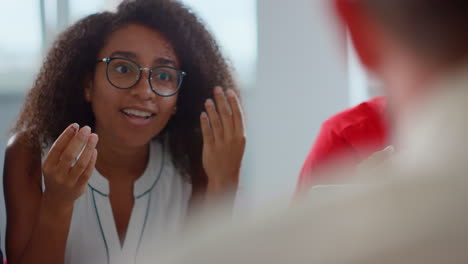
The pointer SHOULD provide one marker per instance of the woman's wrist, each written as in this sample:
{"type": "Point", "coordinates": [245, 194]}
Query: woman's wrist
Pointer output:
{"type": "Point", "coordinates": [55, 207]}
{"type": "Point", "coordinates": [227, 184]}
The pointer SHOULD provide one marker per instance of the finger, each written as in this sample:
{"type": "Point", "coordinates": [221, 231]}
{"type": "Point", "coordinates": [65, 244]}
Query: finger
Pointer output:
{"type": "Point", "coordinates": [208, 137]}
{"type": "Point", "coordinates": [382, 155]}
{"type": "Point", "coordinates": [70, 154]}
{"type": "Point", "coordinates": [61, 143]}
{"type": "Point", "coordinates": [237, 113]}
{"type": "Point", "coordinates": [389, 149]}
{"type": "Point", "coordinates": [82, 163]}
{"type": "Point", "coordinates": [84, 177]}
{"type": "Point", "coordinates": [224, 112]}
{"type": "Point", "coordinates": [375, 159]}
{"type": "Point", "coordinates": [215, 121]}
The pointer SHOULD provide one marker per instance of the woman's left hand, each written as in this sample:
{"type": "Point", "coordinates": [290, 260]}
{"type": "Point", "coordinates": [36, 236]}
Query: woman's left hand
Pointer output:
{"type": "Point", "coordinates": [223, 140]}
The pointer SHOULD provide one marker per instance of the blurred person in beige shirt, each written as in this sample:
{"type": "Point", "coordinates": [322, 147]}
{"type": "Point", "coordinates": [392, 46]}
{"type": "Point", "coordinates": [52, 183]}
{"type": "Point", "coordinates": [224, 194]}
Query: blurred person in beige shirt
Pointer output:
{"type": "Point", "coordinates": [413, 206]}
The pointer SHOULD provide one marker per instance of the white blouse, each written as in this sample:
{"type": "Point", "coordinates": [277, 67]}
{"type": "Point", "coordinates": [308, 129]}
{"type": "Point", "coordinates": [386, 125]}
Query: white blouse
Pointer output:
{"type": "Point", "coordinates": [160, 208]}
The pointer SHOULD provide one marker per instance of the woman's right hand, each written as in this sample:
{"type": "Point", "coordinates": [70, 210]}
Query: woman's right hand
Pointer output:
{"type": "Point", "coordinates": [66, 172]}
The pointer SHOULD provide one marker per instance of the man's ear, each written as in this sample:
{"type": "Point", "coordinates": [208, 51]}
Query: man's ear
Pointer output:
{"type": "Point", "coordinates": [362, 31]}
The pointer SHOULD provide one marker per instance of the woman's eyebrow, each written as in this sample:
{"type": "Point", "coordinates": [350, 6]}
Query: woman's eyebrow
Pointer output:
{"type": "Point", "coordinates": [126, 54]}
{"type": "Point", "coordinates": [165, 61]}
{"type": "Point", "coordinates": [133, 55]}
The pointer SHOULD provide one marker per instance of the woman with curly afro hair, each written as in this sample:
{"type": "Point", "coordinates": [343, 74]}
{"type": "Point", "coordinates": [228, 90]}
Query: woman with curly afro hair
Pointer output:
{"type": "Point", "coordinates": [132, 117]}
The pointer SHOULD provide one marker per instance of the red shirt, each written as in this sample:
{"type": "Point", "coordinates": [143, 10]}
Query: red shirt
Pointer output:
{"type": "Point", "coordinates": [354, 133]}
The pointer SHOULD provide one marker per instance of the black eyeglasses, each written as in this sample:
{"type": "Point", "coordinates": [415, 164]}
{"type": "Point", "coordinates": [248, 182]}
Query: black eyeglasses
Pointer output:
{"type": "Point", "coordinates": [123, 73]}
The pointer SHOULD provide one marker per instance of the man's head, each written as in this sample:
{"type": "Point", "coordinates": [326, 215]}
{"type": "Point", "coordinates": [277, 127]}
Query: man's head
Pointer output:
{"type": "Point", "coordinates": [407, 43]}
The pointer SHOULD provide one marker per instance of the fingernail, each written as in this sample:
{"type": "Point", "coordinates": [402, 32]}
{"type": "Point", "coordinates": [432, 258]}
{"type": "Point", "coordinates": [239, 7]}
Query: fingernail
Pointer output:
{"type": "Point", "coordinates": [230, 92]}
{"type": "Point", "coordinates": [218, 90]}
{"type": "Point", "coordinates": [85, 130]}
{"type": "Point", "coordinates": [93, 138]}
{"type": "Point", "coordinates": [74, 127]}
{"type": "Point", "coordinates": [210, 102]}
{"type": "Point", "coordinates": [204, 115]}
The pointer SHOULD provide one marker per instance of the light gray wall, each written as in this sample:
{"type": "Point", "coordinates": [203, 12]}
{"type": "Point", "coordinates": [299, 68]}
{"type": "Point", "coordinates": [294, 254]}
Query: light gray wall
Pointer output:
{"type": "Point", "coordinates": [301, 80]}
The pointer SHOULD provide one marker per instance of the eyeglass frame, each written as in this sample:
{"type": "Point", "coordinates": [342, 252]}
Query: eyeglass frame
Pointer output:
{"type": "Point", "coordinates": [181, 74]}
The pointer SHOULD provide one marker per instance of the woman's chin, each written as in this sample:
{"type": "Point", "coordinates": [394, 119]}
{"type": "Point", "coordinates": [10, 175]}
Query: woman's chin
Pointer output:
{"type": "Point", "coordinates": [135, 141]}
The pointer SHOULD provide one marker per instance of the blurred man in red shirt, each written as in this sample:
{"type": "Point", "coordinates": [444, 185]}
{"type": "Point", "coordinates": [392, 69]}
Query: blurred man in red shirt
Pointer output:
{"type": "Point", "coordinates": [353, 134]}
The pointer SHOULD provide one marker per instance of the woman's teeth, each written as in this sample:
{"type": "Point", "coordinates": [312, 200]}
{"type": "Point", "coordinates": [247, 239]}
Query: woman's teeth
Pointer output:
{"type": "Point", "coordinates": [137, 113]}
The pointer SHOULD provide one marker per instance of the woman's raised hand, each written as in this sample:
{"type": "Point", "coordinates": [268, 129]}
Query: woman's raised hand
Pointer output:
{"type": "Point", "coordinates": [69, 165]}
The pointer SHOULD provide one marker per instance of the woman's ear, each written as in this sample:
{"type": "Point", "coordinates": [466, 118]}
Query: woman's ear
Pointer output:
{"type": "Point", "coordinates": [88, 90]}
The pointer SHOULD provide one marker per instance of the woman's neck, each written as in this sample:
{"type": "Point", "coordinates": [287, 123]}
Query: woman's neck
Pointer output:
{"type": "Point", "coordinates": [121, 163]}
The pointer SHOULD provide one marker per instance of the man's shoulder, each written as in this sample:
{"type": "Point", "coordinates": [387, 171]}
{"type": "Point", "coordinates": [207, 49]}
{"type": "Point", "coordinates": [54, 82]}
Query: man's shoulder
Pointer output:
{"type": "Point", "coordinates": [359, 116]}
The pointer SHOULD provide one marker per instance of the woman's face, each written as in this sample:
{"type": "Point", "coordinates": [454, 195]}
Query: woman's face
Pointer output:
{"type": "Point", "coordinates": [133, 116]}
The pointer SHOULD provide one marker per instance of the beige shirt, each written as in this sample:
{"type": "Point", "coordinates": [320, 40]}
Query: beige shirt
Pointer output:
{"type": "Point", "coordinates": [414, 210]}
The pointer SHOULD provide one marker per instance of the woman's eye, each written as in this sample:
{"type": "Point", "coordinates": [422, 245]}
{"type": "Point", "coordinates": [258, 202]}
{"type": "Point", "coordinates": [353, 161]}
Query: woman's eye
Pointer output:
{"type": "Point", "coordinates": [122, 69]}
{"type": "Point", "coordinates": [164, 76]}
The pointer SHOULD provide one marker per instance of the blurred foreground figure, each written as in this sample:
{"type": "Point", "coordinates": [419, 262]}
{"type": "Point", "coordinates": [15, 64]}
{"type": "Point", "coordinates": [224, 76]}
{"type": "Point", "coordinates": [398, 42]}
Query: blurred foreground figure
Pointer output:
{"type": "Point", "coordinates": [410, 208]}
